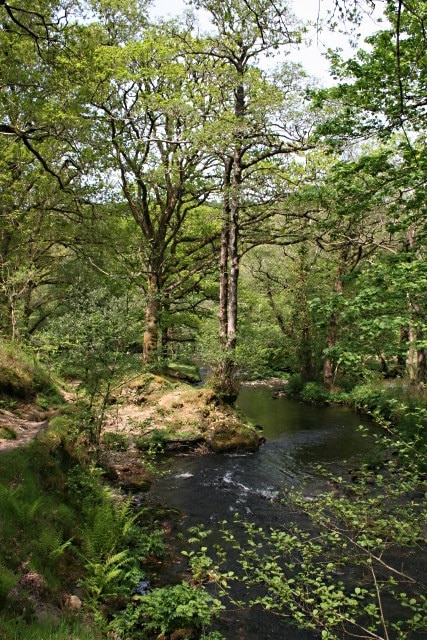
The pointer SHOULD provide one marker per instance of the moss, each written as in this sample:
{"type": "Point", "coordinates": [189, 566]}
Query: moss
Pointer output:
{"type": "Point", "coordinates": [232, 435]}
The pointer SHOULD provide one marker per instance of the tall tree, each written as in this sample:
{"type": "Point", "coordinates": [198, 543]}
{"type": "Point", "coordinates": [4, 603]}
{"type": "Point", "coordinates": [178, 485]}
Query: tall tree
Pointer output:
{"type": "Point", "coordinates": [253, 130]}
{"type": "Point", "coordinates": [144, 99]}
{"type": "Point", "coordinates": [381, 94]}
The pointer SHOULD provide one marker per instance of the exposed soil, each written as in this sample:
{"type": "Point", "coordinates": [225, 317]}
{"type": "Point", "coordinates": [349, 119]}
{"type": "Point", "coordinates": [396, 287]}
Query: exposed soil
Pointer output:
{"type": "Point", "coordinates": [149, 411]}
{"type": "Point", "coordinates": [21, 426]}
{"type": "Point", "coordinates": [152, 411]}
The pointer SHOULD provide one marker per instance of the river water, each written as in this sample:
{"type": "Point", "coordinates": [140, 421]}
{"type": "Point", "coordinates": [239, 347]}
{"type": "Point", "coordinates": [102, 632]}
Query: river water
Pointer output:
{"type": "Point", "coordinates": [210, 489]}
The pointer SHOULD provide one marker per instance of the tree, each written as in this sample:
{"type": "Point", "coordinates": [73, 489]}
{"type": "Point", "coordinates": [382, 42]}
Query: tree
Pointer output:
{"type": "Point", "coordinates": [384, 99]}
{"type": "Point", "coordinates": [147, 110]}
{"type": "Point", "coordinates": [253, 132]}
{"type": "Point", "coordinates": [35, 242]}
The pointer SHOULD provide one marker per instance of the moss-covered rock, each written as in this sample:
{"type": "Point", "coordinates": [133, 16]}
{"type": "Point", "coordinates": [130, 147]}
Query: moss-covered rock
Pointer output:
{"type": "Point", "coordinates": [232, 435]}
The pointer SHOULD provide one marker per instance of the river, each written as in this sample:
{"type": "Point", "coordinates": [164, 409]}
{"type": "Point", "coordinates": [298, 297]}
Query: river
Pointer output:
{"type": "Point", "coordinates": [210, 489]}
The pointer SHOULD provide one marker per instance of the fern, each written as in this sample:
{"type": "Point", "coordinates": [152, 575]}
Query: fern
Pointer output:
{"type": "Point", "coordinates": [7, 581]}
{"type": "Point", "coordinates": [104, 579]}
{"type": "Point", "coordinates": [109, 528]}
{"type": "Point", "coordinates": [9, 501]}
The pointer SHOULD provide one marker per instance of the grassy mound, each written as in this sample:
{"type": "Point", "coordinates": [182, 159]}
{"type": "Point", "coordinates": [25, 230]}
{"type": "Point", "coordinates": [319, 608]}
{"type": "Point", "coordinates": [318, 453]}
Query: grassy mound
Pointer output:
{"type": "Point", "coordinates": [22, 377]}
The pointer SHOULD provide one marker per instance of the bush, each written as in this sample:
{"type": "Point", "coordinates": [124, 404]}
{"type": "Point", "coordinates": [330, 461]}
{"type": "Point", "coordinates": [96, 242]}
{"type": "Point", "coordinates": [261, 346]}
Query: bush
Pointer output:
{"type": "Point", "coordinates": [295, 385]}
{"type": "Point", "coordinates": [115, 441]}
{"type": "Point", "coordinates": [315, 393]}
{"type": "Point", "coordinates": [167, 609]}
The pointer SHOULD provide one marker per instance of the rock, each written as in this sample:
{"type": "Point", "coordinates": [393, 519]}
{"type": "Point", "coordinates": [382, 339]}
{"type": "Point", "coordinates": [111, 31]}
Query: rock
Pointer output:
{"type": "Point", "coordinates": [134, 483]}
{"type": "Point", "coordinates": [142, 588]}
{"type": "Point", "coordinates": [72, 603]}
{"type": "Point", "coordinates": [179, 634]}
{"type": "Point", "coordinates": [183, 634]}
{"type": "Point", "coordinates": [231, 436]}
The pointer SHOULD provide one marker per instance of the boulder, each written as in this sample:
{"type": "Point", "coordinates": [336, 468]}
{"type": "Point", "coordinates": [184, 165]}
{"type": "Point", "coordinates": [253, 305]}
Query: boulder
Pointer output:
{"type": "Point", "coordinates": [232, 436]}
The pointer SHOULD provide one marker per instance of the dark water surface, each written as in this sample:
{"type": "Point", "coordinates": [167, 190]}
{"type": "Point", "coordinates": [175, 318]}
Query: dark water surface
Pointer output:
{"type": "Point", "coordinates": [210, 489]}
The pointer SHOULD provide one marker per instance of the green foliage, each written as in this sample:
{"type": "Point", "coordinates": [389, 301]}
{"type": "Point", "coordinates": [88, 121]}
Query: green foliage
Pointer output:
{"type": "Point", "coordinates": [8, 580]}
{"type": "Point", "coordinates": [295, 385]}
{"type": "Point", "coordinates": [156, 443]}
{"type": "Point", "coordinates": [106, 579]}
{"type": "Point", "coordinates": [107, 524]}
{"type": "Point", "coordinates": [345, 572]}
{"type": "Point", "coordinates": [61, 526]}
{"type": "Point", "coordinates": [167, 609]}
{"type": "Point", "coordinates": [89, 339]}
{"type": "Point", "coordinates": [16, 628]}
{"type": "Point", "coordinates": [315, 393]}
{"type": "Point", "coordinates": [22, 377]}
{"type": "Point", "coordinates": [113, 550]}
{"type": "Point", "coordinates": [115, 441]}
{"type": "Point", "coordinates": [7, 433]}
{"type": "Point", "coordinates": [402, 405]}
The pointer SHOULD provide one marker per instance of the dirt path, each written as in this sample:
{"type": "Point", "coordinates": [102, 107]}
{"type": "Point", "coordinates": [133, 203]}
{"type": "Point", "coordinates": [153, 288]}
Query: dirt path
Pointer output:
{"type": "Point", "coordinates": [22, 430]}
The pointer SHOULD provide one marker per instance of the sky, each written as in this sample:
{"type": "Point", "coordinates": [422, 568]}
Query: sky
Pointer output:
{"type": "Point", "coordinates": [311, 57]}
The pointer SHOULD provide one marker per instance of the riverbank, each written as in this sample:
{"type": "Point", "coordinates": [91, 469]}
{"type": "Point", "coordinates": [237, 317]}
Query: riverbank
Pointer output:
{"type": "Point", "coordinates": [155, 411]}
{"type": "Point", "coordinates": [73, 546]}
{"type": "Point", "coordinates": [391, 403]}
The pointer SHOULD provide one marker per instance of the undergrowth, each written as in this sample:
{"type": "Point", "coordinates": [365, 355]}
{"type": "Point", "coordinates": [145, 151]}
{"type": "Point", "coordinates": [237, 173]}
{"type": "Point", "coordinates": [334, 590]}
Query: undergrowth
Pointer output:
{"type": "Point", "coordinates": [22, 377]}
{"type": "Point", "coordinates": [62, 529]}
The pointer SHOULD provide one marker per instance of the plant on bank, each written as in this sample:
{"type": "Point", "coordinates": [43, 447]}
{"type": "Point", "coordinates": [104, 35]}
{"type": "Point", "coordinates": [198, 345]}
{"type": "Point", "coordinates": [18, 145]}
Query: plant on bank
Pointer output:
{"type": "Point", "coordinates": [113, 551]}
{"type": "Point", "coordinates": [167, 609]}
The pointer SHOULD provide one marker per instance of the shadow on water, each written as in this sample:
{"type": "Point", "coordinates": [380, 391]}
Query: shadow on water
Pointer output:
{"type": "Point", "coordinates": [210, 489]}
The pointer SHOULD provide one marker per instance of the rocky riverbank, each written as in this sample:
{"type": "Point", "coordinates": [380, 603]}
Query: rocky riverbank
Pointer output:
{"type": "Point", "coordinates": [157, 414]}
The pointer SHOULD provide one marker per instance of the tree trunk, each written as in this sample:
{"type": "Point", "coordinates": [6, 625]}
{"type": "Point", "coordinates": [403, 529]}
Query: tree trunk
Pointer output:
{"type": "Point", "coordinates": [233, 255]}
{"type": "Point", "coordinates": [329, 371]}
{"type": "Point", "coordinates": [225, 374]}
{"type": "Point", "coordinates": [223, 263]}
{"type": "Point", "coordinates": [421, 365]}
{"type": "Point", "coordinates": [152, 317]}
{"type": "Point", "coordinates": [416, 356]}
{"type": "Point", "coordinates": [411, 358]}
{"type": "Point", "coordinates": [305, 349]}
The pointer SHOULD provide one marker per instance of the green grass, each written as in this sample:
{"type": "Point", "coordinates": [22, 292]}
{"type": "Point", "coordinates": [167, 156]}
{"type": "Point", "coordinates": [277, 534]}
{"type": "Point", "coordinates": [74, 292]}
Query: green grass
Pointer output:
{"type": "Point", "coordinates": [19, 629]}
{"type": "Point", "coordinates": [22, 377]}
{"type": "Point", "coordinates": [62, 528]}
{"type": "Point", "coordinates": [7, 433]}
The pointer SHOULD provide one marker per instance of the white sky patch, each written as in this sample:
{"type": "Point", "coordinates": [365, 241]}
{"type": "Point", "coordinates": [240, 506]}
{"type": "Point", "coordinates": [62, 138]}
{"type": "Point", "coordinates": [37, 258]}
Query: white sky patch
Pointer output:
{"type": "Point", "coordinates": [311, 57]}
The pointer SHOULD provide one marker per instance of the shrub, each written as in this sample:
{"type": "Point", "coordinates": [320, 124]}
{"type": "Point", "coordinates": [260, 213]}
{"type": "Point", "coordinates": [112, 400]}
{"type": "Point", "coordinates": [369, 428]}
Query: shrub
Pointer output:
{"type": "Point", "coordinates": [167, 609]}
{"type": "Point", "coordinates": [116, 441]}
{"type": "Point", "coordinates": [295, 385]}
{"type": "Point", "coordinates": [314, 392]}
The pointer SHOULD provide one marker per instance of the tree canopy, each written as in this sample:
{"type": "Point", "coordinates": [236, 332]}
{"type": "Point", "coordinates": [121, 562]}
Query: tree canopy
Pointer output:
{"type": "Point", "coordinates": [181, 168]}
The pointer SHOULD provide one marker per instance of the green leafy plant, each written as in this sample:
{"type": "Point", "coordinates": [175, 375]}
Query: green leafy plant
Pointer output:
{"type": "Point", "coordinates": [164, 610]}
{"type": "Point", "coordinates": [7, 433]}
{"type": "Point", "coordinates": [115, 441]}
{"type": "Point", "coordinates": [8, 580]}
{"type": "Point", "coordinates": [315, 393]}
{"type": "Point", "coordinates": [22, 376]}
{"type": "Point", "coordinates": [344, 574]}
